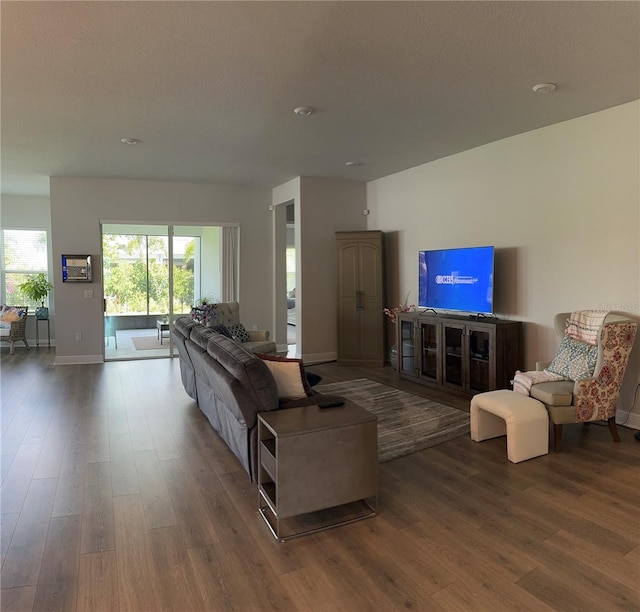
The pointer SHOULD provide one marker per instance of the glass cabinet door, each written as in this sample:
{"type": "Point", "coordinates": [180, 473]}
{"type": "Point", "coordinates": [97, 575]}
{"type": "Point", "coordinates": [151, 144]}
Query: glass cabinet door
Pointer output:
{"type": "Point", "coordinates": [406, 348]}
{"type": "Point", "coordinates": [430, 345]}
{"type": "Point", "coordinates": [479, 362]}
{"type": "Point", "coordinates": [454, 355]}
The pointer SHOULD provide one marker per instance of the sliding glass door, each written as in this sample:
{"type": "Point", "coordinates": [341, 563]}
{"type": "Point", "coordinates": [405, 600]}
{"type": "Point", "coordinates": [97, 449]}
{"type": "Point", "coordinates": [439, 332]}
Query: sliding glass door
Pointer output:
{"type": "Point", "coordinates": [153, 274]}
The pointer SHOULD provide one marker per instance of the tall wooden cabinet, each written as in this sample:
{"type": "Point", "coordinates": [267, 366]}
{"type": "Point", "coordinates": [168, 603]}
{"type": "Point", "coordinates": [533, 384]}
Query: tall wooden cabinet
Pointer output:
{"type": "Point", "coordinates": [360, 257]}
{"type": "Point", "coordinates": [458, 353]}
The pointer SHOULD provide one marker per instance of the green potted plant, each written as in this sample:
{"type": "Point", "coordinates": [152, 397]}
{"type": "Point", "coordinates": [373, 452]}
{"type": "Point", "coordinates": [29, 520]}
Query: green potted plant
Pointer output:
{"type": "Point", "coordinates": [36, 288]}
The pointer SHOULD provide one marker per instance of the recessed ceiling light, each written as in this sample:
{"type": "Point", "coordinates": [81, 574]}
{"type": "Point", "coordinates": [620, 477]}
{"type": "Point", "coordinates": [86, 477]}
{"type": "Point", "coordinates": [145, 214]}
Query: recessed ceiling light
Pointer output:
{"type": "Point", "coordinates": [130, 141]}
{"type": "Point", "coordinates": [304, 111]}
{"type": "Point", "coordinates": [544, 88]}
{"type": "Point", "coordinates": [353, 163]}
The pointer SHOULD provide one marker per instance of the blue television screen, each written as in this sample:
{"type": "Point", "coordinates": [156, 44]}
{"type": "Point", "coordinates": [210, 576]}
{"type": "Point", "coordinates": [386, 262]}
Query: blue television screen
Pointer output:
{"type": "Point", "coordinates": [456, 279]}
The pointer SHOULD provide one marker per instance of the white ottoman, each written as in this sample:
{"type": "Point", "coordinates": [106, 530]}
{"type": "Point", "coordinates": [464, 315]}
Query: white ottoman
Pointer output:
{"type": "Point", "coordinates": [523, 419]}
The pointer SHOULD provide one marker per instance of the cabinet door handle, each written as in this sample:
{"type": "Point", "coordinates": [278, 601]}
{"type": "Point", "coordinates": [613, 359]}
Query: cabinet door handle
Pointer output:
{"type": "Point", "coordinates": [359, 300]}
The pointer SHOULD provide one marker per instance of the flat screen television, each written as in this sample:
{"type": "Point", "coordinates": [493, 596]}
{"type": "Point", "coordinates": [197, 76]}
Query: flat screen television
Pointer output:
{"type": "Point", "coordinates": [456, 279]}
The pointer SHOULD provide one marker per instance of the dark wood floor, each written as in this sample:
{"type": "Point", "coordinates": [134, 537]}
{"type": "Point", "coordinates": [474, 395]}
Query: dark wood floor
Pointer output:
{"type": "Point", "coordinates": [118, 495]}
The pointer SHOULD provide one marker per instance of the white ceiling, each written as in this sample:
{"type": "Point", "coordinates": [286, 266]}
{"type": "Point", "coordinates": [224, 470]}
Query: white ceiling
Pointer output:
{"type": "Point", "coordinates": [210, 87]}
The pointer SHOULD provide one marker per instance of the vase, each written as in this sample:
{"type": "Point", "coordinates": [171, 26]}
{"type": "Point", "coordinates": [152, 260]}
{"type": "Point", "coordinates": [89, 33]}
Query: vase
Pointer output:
{"type": "Point", "coordinates": [42, 312]}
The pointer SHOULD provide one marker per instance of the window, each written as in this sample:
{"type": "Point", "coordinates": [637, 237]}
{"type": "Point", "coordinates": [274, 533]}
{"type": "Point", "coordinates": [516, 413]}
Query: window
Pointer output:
{"type": "Point", "coordinates": [24, 252]}
{"type": "Point", "coordinates": [136, 273]}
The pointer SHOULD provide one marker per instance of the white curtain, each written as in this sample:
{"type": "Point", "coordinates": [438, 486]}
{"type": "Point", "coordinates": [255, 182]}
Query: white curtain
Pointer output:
{"type": "Point", "coordinates": [229, 264]}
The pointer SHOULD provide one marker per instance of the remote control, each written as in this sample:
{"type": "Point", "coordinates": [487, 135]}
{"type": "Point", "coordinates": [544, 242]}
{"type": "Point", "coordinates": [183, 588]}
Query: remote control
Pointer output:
{"type": "Point", "coordinates": [332, 404]}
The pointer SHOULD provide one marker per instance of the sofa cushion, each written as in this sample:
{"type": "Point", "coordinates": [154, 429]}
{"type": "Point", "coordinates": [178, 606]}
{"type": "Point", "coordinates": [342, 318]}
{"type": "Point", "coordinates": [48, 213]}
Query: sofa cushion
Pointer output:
{"type": "Point", "coordinates": [181, 332]}
{"type": "Point", "coordinates": [555, 393]}
{"type": "Point", "coordinates": [575, 359]}
{"type": "Point", "coordinates": [221, 329]}
{"type": "Point", "coordinates": [184, 325]}
{"type": "Point", "coordinates": [218, 390]}
{"type": "Point", "coordinates": [249, 370]}
{"type": "Point", "coordinates": [289, 376]}
{"type": "Point", "coordinates": [200, 335]}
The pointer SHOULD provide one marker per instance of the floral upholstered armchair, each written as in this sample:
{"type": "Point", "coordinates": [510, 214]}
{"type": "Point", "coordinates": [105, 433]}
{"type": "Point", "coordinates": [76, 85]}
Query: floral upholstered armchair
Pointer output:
{"type": "Point", "coordinates": [589, 366]}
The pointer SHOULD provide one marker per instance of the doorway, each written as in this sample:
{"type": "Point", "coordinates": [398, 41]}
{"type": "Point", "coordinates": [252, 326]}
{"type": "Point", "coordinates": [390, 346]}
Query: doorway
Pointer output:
{"type": "Point", "coordinates": [153, 274]}
{"type": "Point", "coordinates": [290, 272]}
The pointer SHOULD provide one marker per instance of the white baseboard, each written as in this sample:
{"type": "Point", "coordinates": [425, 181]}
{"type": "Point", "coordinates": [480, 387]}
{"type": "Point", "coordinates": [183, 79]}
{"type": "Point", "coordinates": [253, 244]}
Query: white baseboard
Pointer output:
{"type": "Point", "coordinates": [78, 359]}
{"type": "Point", "coordinates": [312, 358]}
{"type": "Point", "coordinates": [43, 342]}
{"type": "Point", "coordinates": [630, 419]}
{"type": "Point", "coordinates": [32, 344]}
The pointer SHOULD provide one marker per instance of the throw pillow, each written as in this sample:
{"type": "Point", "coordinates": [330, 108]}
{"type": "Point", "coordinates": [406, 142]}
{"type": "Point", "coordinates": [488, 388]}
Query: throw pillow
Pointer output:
{"type": "Point", "coordinates": [238, 332]}
{"type": "Point", "coordinates": [221, 329]}
{"type": "Point", "coordinates": [312, 379]}
{"type": "Point", "coordinates": [575, 359]}
{"type": "Point", "coordinates": [11, 314]}
{"type": "Point", "coordinates": [289, 376]}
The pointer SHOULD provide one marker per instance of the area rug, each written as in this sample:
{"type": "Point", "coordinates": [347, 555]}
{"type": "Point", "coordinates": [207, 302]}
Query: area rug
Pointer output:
{"type": "Point", "coordinates": [407, 423]}
{"type": "Point", "coordinates": [145, 343]}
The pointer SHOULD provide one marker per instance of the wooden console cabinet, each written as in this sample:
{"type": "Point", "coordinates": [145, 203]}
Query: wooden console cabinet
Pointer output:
{"type": "Point", "coordinates": [312, 459]}
{"type": "Point", "coordinates": [461, 354]}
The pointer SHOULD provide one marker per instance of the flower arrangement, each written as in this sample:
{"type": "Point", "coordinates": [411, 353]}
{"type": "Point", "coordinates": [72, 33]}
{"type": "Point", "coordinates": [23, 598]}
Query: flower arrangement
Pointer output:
{"type": "Point", "coordinates": [205, 313]}
{"type": "Point", "coordinates": [392, 313]}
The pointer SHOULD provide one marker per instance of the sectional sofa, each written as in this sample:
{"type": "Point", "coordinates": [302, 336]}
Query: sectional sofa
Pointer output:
{"type": "Point", "coordinates": [231, 385]}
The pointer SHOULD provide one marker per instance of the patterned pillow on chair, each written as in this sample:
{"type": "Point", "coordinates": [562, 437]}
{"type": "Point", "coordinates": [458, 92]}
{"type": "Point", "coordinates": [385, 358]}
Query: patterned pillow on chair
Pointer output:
{"type": "Point", "coordinates": [575, 360]}
{"type": "Point", "coordinates": [239, 333]}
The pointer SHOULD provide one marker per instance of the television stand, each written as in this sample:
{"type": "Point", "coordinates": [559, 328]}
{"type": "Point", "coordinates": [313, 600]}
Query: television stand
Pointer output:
{"type": "Point", "coordinates": [426, 310]}
{"type": "Point", "coordinates": [480, 316]}
{"type": "Point", "coordinates": [458, 353]}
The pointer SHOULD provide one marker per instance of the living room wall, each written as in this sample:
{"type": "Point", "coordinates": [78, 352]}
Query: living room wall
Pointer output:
{"type": "Point", "coordinates": [322, 207]}
{"type": "Point", "coordinates": [561, 204]}
{"type": "Point", "coordinates": [77, 207]}
{"type": "Point", "coordinates": [327, 206]}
